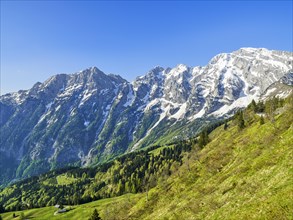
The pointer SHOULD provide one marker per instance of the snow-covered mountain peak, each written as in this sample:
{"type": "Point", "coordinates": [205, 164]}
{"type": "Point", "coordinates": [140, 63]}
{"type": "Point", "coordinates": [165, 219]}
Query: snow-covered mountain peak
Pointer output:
{"type": "Point", "coordinates": [92, 69]}
{"type": "Point", "coordinates": [157, 69]}
{"type": "Point", "coordinates": [262, 53]}
{"type": "Point", "coordinates": [89, 73]}
{"type": "Point", "coordinates": [219, 57]}
{"type": "Point", "coordinates": [156, 72]}
{"type": "Point", "coordinates": [253, 49]}
{"type": "Point", "coordinates": [71, 118]}
{"type": "Point", "coordinates": [153, 76]}
{"type": "Point", "coordinates": [179, 69]}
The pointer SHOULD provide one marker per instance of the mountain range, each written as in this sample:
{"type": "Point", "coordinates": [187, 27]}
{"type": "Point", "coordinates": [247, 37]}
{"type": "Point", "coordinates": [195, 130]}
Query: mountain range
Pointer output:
{"type": "Point", "coordinates": [89, 117]}
{"type": "Point", "coordinates": [242, 171]}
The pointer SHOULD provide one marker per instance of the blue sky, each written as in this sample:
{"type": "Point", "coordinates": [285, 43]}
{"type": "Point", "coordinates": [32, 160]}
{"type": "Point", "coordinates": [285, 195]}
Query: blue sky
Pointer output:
{"type": "Point", "coordinates": [43, 38]}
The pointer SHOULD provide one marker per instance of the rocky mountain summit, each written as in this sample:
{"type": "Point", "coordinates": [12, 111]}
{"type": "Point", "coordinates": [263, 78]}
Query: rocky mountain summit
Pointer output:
{"type": "Point", "coordinates": [88, 117]}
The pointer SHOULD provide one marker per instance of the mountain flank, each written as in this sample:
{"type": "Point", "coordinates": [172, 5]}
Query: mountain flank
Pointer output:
{"type": "Point", "coordinates": [242, 171]}
{"type": "Point", "coordinates": [89, 117]}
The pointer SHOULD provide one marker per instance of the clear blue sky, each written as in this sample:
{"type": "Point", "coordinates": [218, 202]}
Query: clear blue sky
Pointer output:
{"type": "Point", "coordinates": [43, 38]}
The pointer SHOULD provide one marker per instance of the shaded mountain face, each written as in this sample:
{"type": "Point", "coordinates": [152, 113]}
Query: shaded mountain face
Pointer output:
{"type": "Point", "coordinates": [87, 117]}
{"type": "Point", "coordinates": [281, 88]}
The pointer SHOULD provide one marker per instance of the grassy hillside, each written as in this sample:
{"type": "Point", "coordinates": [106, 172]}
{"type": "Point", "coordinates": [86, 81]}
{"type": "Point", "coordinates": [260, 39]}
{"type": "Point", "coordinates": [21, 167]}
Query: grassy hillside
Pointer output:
{"type": "Point", "coordinates": [240, 174]}
{"type": "Point", "coordinates": [244, 172]}
{"type": "Point", "coordinates": [111, 207]}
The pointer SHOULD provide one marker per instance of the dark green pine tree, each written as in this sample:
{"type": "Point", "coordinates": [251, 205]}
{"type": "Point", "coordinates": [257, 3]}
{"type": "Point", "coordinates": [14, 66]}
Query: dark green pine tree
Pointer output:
{"type": "Point", "coordinates": [240, 120]}
{"type": "Point", "coordinates": [203, 138]}
{"type": "Point", "coordinates": [261, 120]}
{"type": "Point", "coordinates": [225, 125]}
{"type": "Point", "coordinates": [95, 215]}
{"type": "Point", "coordinates": [260, 107]}
{"type": "Point", "coordinates": [253, 105]}
{"type": "Point", "coordinates": [2, 209]}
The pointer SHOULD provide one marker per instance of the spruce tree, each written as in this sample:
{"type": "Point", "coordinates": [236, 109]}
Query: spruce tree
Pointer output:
{"type": "Point", "coordinates": [203, 138]}
{"type": "Point", "coordinates": [95, 215]}
{"type": "Point", "coordinates": [225, 125]}
{"type": "Point", "coordinates": [240, 120]}
{"type": "Point", "coordinates": [253, 105]}
{"type": "Point", "coordinates": [2, 209]}
{"type": "Point", "coordinates": [260, 107]}
{"type": "Point", "coordinates": [261, 120]}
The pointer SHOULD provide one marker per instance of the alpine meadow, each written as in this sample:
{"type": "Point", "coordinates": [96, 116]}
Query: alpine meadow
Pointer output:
{"type": "Point", "coordinates": [206, 140]}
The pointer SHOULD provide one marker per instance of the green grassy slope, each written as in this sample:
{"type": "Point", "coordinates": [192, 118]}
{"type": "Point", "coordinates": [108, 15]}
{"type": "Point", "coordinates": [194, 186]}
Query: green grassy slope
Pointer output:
{"type": "Point", "coordinates": [243, 174]}
{"type": "Point", "coordinates": [240, 174]}
{"type": "Point", "coordinates": [111, 207]}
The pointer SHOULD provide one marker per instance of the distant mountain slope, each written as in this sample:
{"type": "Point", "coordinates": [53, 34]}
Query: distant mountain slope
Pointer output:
{"type": "Point", "coordinates": [240, 174]}
{"type": "Point", "coordinates": [88, 117]}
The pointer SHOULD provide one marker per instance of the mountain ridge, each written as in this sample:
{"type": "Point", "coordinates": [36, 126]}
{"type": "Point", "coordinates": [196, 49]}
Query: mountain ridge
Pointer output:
{"type": "Point", "coordinates": [88, 117]}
